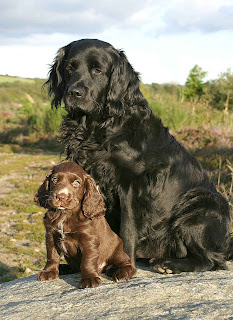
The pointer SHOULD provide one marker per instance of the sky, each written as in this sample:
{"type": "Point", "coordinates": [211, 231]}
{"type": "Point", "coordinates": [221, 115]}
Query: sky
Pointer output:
{"type": "Point", "coordinates": [163, 39]}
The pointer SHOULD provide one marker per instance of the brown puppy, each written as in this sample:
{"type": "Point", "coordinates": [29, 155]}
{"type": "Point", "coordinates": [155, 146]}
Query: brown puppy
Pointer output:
{"type": "Point", "coordinates": [75, 226]}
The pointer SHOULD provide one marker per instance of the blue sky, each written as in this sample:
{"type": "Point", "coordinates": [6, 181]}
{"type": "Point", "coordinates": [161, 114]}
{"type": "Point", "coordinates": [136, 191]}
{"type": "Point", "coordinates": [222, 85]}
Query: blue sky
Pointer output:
{"type": "Point", "coordinates": [163, 39]}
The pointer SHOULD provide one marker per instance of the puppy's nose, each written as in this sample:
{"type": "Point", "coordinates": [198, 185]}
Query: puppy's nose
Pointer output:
{"type": "Point", "coordinates": [76, 92]}
{"type": "Point", "coordinates": [62, 196]}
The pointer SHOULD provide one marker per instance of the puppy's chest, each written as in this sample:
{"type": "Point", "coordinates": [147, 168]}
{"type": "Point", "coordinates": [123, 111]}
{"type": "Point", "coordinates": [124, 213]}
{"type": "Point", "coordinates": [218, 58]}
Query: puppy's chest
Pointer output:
{"type": "Point", "coordinates": [67, 239]}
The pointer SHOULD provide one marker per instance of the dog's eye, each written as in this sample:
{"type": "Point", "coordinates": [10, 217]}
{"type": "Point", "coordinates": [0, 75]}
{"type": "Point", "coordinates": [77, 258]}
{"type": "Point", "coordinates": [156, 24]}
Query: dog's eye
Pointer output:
{"type": "Point", "coordinates": [69, 68]}
{"type": "Point", "coordinates": [54, 180]}
{"type": "Point", "coordinates": [97, 70]}
{"type": "Point", "coordinates": [76, 183]}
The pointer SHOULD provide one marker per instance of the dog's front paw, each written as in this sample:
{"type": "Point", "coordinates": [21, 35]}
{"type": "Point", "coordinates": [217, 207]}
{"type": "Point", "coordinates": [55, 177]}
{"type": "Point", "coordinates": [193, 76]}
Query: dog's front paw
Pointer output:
{"type": "Point", "coordinates": [124, 273]}
{"type": "Point", "coordinates": [89, 283]}
{"type": "Point", "coordinates": [45, 275]}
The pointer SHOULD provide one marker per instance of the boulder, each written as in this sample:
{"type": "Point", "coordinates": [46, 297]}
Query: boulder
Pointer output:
{"type": "Point", "coordinates": [149, 295]}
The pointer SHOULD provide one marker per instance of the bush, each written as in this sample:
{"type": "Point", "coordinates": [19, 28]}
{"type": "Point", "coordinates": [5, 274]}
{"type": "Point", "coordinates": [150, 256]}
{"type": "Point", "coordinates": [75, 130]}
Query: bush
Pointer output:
{"type": "Point", "coordinates": [41, 119]}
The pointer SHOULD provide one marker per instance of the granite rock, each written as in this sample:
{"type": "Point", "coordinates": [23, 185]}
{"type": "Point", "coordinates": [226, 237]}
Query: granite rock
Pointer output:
{"type": "Point", "coordinates": [149, 295]}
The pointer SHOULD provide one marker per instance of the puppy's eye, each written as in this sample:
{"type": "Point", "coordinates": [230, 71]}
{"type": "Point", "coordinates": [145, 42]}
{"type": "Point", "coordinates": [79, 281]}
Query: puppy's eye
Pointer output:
{"type": "Point", "coordinates": [97, 70]}
{"type": "Point", "coordinates": [76, 183]}
{"type": "Point", "coordinates": [54, 180]}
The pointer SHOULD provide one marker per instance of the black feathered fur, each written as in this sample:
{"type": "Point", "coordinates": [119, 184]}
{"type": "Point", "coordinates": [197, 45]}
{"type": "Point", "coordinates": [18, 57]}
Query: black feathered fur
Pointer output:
{"type": "Point", "coordinates": [158, 197]}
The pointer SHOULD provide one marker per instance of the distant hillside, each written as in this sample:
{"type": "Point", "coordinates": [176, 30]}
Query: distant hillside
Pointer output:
{"type": "Point", "coordinates": [7, 78]}
{"type": "Point", "coordinates": [14, 90]}
{"type": "Point", "coordinates": [29, 128]}
{"type": "Point", "coordinates": [27, 121]}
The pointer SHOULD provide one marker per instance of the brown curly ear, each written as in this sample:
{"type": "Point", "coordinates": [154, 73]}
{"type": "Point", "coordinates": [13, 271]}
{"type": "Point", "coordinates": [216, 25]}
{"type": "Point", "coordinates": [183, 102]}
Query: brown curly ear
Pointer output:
{"type": "Point", "coordinates": [93, 203]}
{"type": "Point", "coordinates": [42, 194]}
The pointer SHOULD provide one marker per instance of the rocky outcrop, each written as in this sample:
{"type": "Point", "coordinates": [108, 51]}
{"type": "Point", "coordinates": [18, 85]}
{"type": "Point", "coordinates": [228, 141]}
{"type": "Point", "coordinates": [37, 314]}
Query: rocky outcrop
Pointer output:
{"type": "Point", "coordinates": [203, 295]}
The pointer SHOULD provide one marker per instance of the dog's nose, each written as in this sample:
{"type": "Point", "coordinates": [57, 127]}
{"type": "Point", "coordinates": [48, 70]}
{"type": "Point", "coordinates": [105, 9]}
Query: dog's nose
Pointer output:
{"type": "Point", "coordinates": [76, 92]}
{"type": "Point", "coordinates": [62, 196]}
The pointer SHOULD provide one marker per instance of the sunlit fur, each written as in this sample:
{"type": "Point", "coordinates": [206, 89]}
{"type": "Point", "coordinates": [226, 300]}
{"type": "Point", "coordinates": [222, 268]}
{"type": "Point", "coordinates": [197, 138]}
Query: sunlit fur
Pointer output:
{"type": "Point", "coordinates": [158, 197]}
{"type": "Point", "coordinates": [79, 230]}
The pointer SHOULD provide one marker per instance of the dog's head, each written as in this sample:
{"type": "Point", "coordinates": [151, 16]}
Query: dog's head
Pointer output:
{"type": "Point", "coordinates": [91, 76]}
{"type": "Point", "coordinates": [68, 186]}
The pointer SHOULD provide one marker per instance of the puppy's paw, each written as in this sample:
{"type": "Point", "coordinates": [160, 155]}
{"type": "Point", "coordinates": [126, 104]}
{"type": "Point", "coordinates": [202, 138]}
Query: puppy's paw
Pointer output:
{"type": "Point", "coordinates": [110, 270]}
{"type": "Point", "coordinates": [123, 273]}
{"type": "Point", "coordinates": [45, 275]}
{"type": "Point", "coordinates": [89, 283]}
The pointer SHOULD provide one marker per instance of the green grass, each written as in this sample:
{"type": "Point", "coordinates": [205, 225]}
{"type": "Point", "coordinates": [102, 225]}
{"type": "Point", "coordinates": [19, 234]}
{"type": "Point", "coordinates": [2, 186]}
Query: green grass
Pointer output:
{"type": "Point", "coordinates": [7, 79]}
{"type": "Point", "coordinates": [178, 114]}
{"type": "Point", "coordinates": [24, 163]}
{"type": "Point", "coordinates": [26, 118]}
{"type": "Point", "coordinates": [22, 241]}
{"type": "Point", "coordinates": [32, 123]}
{"type": "Point", "coordinates": [29, 149]}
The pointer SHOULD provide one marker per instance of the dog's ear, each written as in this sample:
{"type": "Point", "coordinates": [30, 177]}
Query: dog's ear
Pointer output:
{"type": "Point", "coordinates": [123, 85]}
{"type": "Point", "coordinates": [56, 82]}
{"type": "Point", "coordinates": [42, 194]}
{"type": "Point", "coordinates": [93, 203]}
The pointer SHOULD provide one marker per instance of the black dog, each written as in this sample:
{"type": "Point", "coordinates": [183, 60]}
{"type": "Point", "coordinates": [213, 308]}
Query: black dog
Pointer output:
{"type": "Point", "coordinates": [158, 198]}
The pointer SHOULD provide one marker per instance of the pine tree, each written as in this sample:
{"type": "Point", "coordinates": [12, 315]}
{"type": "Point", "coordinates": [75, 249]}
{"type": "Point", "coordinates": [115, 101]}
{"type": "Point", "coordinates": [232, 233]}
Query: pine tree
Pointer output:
{"type": "Point", "coordinates": [194, 86]}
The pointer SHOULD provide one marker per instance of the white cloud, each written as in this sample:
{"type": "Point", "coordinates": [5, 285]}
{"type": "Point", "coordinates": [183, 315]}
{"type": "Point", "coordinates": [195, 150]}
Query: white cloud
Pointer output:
{"type": "Point", "coordinates": [163, 39]}
{"type": "Point", "coordinates": [198, 15]}
{"type": "Point", "coordinates": [44, 16]}
{"type": "Point", "coordinates": [19, 19]}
